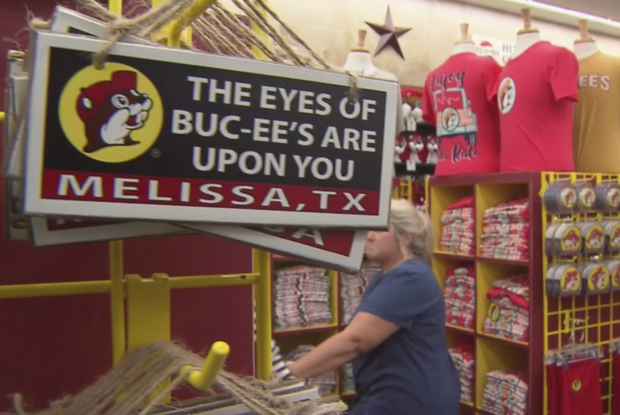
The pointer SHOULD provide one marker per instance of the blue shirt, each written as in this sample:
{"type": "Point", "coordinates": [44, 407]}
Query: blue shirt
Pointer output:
{"type": "Point", "coordinates": [411, 372]}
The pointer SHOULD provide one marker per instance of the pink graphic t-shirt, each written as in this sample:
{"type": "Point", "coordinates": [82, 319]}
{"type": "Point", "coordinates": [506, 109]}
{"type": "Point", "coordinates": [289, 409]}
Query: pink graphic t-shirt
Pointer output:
{"type": "Point", "coordinates": [536, 94]}
{"type": "Point", "coordinates": [459, 100]}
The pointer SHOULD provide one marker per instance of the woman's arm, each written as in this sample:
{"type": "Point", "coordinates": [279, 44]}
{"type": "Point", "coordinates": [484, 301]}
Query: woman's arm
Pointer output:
{"type": "Point", "coordinates": [363, 334]}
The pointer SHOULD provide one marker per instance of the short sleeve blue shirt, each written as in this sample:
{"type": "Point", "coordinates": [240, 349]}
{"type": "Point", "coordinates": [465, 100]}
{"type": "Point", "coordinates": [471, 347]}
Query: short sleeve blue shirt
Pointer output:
{"type": "Point", "coordinates": [411, 372]}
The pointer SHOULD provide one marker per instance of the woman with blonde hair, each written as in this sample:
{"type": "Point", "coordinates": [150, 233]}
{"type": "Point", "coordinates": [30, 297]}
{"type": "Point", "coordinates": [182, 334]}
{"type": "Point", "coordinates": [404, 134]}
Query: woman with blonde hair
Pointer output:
{"type": "Point", "coordinates": [396, 338]}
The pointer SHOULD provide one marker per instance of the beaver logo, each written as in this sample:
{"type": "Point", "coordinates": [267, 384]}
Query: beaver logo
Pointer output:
{"type": "Point", "coordinates": [570, 280]}
{"type": "Point", "coordinates": [613, 197]}
{"type": "Point", "coordinates": [598, 279]}
{"type": "Point", "coordinates": [587, 197]}
{"type": "Point", "coordinates": [571, 239]}
{"type": "Point", "coordinates": [119, 111]}
{"type": "Point", "coordinates": [111, 110]}
{"type": "Point", "coordinates": [450, 119]}
{"type": "Point", "coordinates": [615, 277]}
{"type": "Point", "coordinates": [506, 95]}
{"type": "Point", "coordinates": [595, 237]}
{"type": "Point", "coordinates": [614, 236]}
{"type": "Point", "coordinates": [568, 197]}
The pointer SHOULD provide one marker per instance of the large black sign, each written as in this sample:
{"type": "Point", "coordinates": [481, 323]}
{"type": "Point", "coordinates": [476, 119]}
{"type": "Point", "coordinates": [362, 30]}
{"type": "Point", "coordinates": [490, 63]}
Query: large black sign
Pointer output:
{"type": "Point", "coordinates": [176, 135]}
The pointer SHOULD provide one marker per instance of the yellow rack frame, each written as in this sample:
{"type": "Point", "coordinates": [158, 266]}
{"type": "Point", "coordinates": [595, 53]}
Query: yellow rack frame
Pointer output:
{"type": "Point", "coordinates": [148, 299]}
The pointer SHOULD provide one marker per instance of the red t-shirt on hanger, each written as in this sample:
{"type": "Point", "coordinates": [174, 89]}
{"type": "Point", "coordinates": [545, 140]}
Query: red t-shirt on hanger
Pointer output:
{"type": "Point", "coordinates": [459, 100]}
{"type": "Point", "coordinates": [536, 94]}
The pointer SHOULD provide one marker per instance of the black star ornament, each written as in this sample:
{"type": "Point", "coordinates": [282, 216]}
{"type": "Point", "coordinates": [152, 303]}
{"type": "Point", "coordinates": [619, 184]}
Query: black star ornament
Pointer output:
{"type": "Point", "coordinates": [388, 34]}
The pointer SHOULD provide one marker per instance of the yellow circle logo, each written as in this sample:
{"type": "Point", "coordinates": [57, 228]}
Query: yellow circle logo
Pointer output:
{"type": "Point", "coordinates": [615, 277]}
{"type": "Point", "coordinates": [571, 239]}
{"type": "Point", "coordinates": [568, 197]}
{"type": "Point", "coordinates": [570, 280]}
{"type": "Point", "coordinates": [493, 312]}
{"type": "Point", "coordinates": [613, 197]}
{"type": "Point", "coordinates": [598, 280]}
{"type": "Point", "coordinates": [587, 197]}
{"type": "Point", "coordinates": [595, 237]}
{"type": "Point", "coordinates": [112, 115]}
{"type": "Point", "coordinates": [576, 385]}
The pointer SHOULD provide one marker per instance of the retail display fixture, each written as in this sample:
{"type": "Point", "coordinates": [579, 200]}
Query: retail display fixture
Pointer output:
{"type": "Point", "coordinates": [542, 278]}
{"type": "Point", "coordinates": [484, 290]}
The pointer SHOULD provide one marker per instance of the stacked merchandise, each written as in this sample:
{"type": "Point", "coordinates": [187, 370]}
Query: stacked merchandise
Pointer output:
{"type": "Point", "coordinates": [460, 297]}
{"type": "Point", "coordinates": [509, 314]}
{"type": "Point", "coordinates": [505, 393]}
{"type": "Point", "coordinates": [457, 228]}
{"type": "Point", "coordinates": [301, 297]}
{"type": "Point", "coordinates": [326, 382]}
{"type": "Point", "coordinates": [348, 383]}
{"type": "Point", "coordinates": [463, 357]}
{"type": "Point", "coordinates": [506, 231]}
{"type": "Point", "coordinates": [352, 287]}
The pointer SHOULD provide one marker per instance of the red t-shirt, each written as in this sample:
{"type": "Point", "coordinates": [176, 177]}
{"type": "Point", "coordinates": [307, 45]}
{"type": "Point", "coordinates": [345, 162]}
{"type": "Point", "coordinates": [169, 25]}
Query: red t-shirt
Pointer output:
{"type": "Point", "coordinates": [459, 100]}
{"type": "Point", "coordinates": [536, 94]}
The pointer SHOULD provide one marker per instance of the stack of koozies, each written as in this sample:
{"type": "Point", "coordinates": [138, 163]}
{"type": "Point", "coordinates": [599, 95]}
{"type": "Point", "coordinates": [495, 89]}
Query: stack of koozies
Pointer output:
{"type": "Point", "coordinates": [463, 357]}
{"type": "Point", "coordinates": [509, 314]}
{"type": "Point", "coordinates": [352, 287]}
{"type": "Point", "coordinates": [458, 228]}
{"type": "Point", "coordinates": [460, 297]}
{"type": "Point", "coordinates": [505, 393]}
{"type": "Point", "coordinates": [301, 297]}
{"type": "Point", "coordinates": [506, 231]}
{"type": "Point", "coordinates": [326, 382]}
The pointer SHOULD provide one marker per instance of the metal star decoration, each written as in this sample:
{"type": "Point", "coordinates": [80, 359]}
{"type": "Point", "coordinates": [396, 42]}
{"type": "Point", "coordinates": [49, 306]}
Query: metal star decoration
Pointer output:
{"type": "Point", "coordinates": [388, 34]}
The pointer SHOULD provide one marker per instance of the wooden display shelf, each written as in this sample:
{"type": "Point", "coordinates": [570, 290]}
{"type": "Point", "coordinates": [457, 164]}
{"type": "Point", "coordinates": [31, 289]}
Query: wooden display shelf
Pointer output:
{"type": "Point", "coordinates": [493, 352]}
{"type": "Point", "coordinates": [290, 338]}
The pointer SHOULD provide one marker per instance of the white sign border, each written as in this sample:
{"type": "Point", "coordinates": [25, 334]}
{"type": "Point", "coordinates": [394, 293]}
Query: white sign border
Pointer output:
{"type": "Point", "coordinates": [65, 19]}
{"type": "Point", "coordinates": [35, 205]}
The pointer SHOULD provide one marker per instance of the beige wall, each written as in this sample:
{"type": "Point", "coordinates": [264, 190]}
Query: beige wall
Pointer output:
{"type": "Point", "coordinates": [333, 25]}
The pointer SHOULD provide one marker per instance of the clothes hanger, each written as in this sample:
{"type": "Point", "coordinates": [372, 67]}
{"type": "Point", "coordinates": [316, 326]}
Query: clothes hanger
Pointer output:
{"type": "Point", "coordinates": [614, 345]}
{"type": "Point", "coordinates": [576, 351]}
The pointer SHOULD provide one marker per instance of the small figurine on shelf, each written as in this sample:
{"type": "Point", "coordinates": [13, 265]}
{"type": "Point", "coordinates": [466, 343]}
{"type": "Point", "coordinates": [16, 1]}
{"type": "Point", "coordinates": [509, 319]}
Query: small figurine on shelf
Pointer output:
{"type": "Point", "coordinates": [433, 148]}
{"type": "Point", "coordinates": [415, 145]}
{"type": "Point", "coordinates": [399, 148]}
{"type": "Point", "coordinates": [416, 113]}
{"type": "Point", "coordinates": [409, 117]}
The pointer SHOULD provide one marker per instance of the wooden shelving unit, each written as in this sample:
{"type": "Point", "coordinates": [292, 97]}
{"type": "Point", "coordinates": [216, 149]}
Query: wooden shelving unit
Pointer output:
{"type": "Point", "coordinates": [493, 352]}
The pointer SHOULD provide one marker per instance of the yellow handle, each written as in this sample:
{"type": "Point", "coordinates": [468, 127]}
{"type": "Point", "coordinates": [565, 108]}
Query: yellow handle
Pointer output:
{"type": "Point", "coordinates": [203, 379]}
{"type": "Point", "coordinates": [2, 115]}
{"type": "Point", "coordinates": [176, 28]}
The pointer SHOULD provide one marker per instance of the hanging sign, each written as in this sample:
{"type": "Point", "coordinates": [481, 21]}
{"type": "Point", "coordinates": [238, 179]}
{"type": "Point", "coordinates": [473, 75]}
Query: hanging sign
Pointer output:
{"type": "Point", "coordinates": [173, 135]}
{"type": "Point", "coordinates": [15, 224]}
{"type": "Point", "coordinates": [51, 232]}
{"type": "Point", "coordinates": [65, 20]}
{"type": "Point", "coordinates": [498, 49]}
{"type": "Point", "coordinates": [337, 250]}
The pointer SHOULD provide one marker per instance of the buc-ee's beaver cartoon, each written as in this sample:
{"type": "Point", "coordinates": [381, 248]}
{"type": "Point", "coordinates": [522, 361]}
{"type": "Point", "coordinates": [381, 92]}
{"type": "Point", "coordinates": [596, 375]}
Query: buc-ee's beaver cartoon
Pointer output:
{"type": "Point", "coordinates": [506, 94]}
{"type": "Point", "coordinates": [450, 118]}
{"type": "Point", "coordinates": [111, 110]}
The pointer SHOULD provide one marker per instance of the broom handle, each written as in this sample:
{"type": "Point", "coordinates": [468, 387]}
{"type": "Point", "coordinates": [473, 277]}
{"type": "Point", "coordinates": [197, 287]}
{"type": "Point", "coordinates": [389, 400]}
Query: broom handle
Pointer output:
{"type": "Point", "coordinates": [203, 379]}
